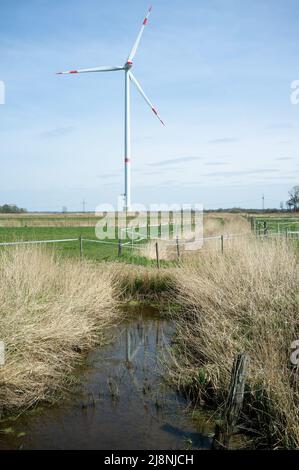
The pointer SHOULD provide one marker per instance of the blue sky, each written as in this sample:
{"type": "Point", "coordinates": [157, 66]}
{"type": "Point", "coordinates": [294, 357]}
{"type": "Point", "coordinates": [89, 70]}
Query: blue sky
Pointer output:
{"type": "Point", "coordinates": [219, 72]}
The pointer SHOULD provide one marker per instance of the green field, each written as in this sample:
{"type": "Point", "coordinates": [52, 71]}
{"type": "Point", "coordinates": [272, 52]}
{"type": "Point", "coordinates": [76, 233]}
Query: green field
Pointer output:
{"type": "Point", "coordinates": [278, 224]}
{"type": "Point", "coordinates": [96, 251]}
{"type": "Point", "coordinates": [38, 227]}
{"type": "Point", "coordinates": [43, 227]}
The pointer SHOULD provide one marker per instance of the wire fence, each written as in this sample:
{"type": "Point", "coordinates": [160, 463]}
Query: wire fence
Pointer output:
{"type": "Point", "coordinates": [176, 246]}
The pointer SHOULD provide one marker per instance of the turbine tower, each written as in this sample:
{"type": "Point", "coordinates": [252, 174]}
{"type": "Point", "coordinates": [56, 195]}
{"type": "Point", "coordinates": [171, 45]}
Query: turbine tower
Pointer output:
{"type": "Point", "coordinates": [127, 67]}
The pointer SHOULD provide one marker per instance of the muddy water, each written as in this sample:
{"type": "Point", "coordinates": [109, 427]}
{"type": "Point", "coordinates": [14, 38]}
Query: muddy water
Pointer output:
{"type": "Point", "coordinates": [122, 401]}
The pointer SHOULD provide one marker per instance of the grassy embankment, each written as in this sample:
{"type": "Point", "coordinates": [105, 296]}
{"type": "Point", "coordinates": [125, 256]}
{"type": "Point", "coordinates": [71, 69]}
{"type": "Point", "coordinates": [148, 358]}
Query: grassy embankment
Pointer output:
{"type": "Point", "coordinates": [244, 300]}
{"type": "Point", "coordinates": [51, 311]}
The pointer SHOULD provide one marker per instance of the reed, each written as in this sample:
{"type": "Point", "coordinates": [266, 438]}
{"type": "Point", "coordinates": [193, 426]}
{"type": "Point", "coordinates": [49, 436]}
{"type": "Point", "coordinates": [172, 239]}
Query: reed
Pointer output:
{"type": "Point", "coordinates": [51, 311]}
{"type": "Point", "coordinates": [245, 300]}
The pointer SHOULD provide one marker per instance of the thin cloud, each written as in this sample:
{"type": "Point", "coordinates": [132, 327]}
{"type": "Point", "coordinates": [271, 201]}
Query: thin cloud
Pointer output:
{"type": "Point", "coordinates": [173, 161]}
{"type": "Point", "coordinates": [280, 125]}
{"type": "Point", "coordinates": [57, 132]}
{"type": "Point", "coordinates": [226, 140]}
{"type": "Point", "coordinates": [154, 172]}
{"type": "Point", "coordinates": [108, 175]}
{"type": "Point", "coordinates": [280, 177]}
{"type": "Point", "coordinates": [216, 163]}
{"type": "Point", "coordinates": [284, 158]}
{"type": "Point", "coordinates": [78, 188]}
{"type": "Point", "coordinates": [170, 182]}
{"type": "Point", "coordinates": [241, 172]}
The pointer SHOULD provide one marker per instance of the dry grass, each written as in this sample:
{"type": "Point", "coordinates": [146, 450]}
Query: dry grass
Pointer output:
{"type": "Point", "coordinates": [140, 282]}
{"type": "Point", "coordinates": [214, 225]}
{"type": "Point", "coordinates": [148, 250]}
{"type": "Point", "coordinates": [243, 301]}
{"type": "Point", "coordinates": [50, 312]}
{"type": "Point", "coordinates": [224, 224]}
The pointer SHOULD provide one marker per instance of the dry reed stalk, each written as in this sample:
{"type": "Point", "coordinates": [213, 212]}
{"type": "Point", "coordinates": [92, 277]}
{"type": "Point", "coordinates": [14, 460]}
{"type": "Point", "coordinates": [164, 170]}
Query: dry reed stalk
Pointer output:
{"type": "Point", "coordinates": [51, 310]}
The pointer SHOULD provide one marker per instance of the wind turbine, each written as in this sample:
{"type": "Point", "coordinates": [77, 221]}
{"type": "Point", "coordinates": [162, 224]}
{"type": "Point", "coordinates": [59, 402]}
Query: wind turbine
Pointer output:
{"type": "Point", "coordinates": [128, 77]}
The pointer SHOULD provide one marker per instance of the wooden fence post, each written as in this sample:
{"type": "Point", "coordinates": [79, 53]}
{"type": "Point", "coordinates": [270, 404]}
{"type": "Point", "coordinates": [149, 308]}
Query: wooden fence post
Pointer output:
{"type": "Point", "coordinates": [265, 229]}
{"type": "Point", "coordinates": [119, 248]}
{"type": "Point", "coordinates": [233, 405]}
{"type": "Point", "coordinates": [157, 255]}
{"type": "Point", "coordinates": [81, 246]}
{"type": "Point", "coordinates": [178, 247]}
{"type": "Point", "coordinates": [148, 222]}
{"type": "Point", "coordinates": [222, 244]}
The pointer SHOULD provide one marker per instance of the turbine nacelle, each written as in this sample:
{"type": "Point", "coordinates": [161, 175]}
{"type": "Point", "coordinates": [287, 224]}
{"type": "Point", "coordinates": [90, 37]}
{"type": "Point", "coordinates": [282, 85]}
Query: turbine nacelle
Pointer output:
{"type": "Point", "coordinates": [128, 65]}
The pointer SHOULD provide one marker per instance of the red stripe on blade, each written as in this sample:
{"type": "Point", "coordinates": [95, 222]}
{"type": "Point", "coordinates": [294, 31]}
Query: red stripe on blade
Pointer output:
{"type": "Point", "coordinates": [127, 160]}
{"type": "Point", "coordinates": [73, 71]}
{"type": "Point", "coordinates": [145, 21]}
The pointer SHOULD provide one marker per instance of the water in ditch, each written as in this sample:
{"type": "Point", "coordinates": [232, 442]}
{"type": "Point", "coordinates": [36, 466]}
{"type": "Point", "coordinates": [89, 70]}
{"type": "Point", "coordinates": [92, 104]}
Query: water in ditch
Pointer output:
{"type": "Point", "coordinates": [122, 401]}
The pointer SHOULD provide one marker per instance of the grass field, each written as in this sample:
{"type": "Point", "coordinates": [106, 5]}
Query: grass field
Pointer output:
{"type": "Point", "coordinates": [47, 227]}
{"type": "Point", "coordinates": [67, 226]}
{"type": "Point", "coordinates": [95, 251]}
{"type": "Point", "coordinates": [278, 224]}
{"type": "Point", "coordinates": [44, 219]}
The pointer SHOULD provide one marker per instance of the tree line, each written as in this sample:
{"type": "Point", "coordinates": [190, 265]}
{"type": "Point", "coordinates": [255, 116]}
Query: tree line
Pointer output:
{"type": "Point", "coordinates": [11, 209]}
{"type": "Point", "coordinates": [293, 202]}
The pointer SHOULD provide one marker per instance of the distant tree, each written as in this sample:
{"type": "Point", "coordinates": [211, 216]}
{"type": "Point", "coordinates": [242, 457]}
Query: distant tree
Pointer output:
{"type": "Point", "coordinates": [293, 202]}
{"type": "Point", "coordinates": [11, 209]}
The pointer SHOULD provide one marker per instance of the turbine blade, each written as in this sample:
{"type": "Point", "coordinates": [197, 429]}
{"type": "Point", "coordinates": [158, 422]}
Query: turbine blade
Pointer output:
{"type": "Point", "coordinates": [136, 44]}
{"type": "Point", "coordinates": [109, 68]}
{"type": "Point", "coordinates": [133, 79]}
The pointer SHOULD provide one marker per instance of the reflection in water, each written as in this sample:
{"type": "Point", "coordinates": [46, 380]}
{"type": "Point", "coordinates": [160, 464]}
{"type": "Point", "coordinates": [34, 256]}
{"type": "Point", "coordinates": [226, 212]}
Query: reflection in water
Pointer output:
{"type": "Point", "coordinates": [122, 403]}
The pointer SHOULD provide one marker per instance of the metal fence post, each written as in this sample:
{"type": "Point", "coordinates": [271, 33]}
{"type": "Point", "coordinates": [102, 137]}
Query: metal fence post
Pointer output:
{"type": "Point", "coordinates": [222, 244]}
